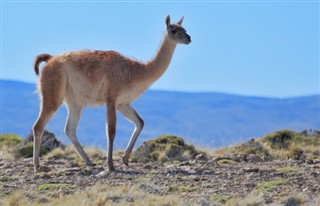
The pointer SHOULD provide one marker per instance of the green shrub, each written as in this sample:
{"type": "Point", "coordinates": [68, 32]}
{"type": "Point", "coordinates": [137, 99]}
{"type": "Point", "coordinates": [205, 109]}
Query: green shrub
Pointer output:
{"type": "Point", "coordinates": [164, 148]}
{"type": "Point", "coordinates": [9, 140]}
{"type": "Point", "coordinates": [252, 147]}
{"type": "Point", "coordinates": [27, 150]}
{"type": "Point", "coordinates": [280, 139]}
{"type": "Point", "coordinates": [296, 153]}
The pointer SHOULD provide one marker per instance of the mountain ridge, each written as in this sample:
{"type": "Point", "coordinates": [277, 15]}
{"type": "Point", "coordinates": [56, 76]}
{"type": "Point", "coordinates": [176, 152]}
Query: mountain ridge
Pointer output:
{"type": "Point", "coordinates": [205, 118]}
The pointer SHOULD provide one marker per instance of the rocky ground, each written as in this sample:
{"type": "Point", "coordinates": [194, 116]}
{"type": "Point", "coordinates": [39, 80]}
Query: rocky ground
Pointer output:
{"type": "Point", "coordinates": [200, 181]}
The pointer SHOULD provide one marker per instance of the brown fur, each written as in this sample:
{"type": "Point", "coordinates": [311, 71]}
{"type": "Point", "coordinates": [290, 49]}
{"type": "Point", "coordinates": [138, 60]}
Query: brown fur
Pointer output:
{"type": "Point", "coordinates": [87, 77]}
{"type": "Point", "coordinates": [40, 58]}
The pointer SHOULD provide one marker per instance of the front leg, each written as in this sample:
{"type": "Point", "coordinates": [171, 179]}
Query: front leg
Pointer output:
{"type": "Point", "coordinates": [129, 112]}
{"type": "Point", "coordinates": [111, 131]}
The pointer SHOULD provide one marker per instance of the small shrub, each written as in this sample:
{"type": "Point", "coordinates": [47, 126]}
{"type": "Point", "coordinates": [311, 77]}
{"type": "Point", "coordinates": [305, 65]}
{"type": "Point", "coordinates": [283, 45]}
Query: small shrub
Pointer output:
{"type": "Point", "coordinates": [280, 139]}
{"type": "Point", "coordinates": [9, 140]}
{"type": "Point", "coordinates": [252, 147]}
{"type": "Point", "coordinates": [293, 201]}
{"type": "Point", "coordinates": [164, 148]}
{"type": "Point", "coordinates": [52, 186]}
{"type": "Point", "coordinates": [27, 150]}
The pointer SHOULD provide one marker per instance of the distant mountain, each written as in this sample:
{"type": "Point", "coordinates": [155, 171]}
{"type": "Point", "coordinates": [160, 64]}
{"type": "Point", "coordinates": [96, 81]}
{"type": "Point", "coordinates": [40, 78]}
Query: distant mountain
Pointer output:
{"type": "Point", "coordinates": [204, 119]}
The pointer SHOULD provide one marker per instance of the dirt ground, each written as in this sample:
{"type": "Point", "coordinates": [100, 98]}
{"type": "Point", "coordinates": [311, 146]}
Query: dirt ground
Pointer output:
{"type": "Point", "coordinates": [206, 182]}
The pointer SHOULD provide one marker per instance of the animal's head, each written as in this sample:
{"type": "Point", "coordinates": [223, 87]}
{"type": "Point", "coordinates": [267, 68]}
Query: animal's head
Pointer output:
{"type": "Point", "coordinates": [176, 32]}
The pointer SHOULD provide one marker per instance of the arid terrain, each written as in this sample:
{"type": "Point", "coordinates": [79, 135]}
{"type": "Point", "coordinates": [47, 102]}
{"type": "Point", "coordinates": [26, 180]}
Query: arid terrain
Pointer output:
{"type": "Point", "coordinates": [239, 175]}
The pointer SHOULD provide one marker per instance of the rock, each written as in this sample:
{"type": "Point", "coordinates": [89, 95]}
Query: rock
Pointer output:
{"type": "Point", "coordinates": [255, 170]}
{"type": "Point", "coordinates": [49, 141]}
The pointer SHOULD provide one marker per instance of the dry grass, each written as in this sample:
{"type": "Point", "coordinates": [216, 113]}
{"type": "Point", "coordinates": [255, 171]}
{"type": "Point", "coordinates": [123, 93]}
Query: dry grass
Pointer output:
{"type": "Point", "coordinates": [7, 144]}
{"type": "Point", "coordinates": [282, 144]}
{"type": "Point", "coordinates": [69, 152]}
{"type": "Point", "coordinates": [133, 194]}
{"type": "Point", "coordinates": [98, 195]}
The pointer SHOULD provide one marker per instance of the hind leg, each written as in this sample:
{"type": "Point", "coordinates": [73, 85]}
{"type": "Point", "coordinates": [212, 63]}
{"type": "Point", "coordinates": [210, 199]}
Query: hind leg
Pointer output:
{"type": "Point", "coordinates": [70, 130]}
{"type": "Point", "coordinates": [130, 113]}
{"type": "Point", "coordinates": [52, 88]}
{"type": "Point", "coordinates": [38, 128]}
{"type": "Point", "coordinates": [46, 113]}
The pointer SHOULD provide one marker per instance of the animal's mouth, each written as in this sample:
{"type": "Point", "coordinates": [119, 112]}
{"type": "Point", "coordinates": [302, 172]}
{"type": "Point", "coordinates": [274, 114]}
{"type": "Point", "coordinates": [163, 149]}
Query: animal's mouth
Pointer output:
{"type": "Point", "coordinates": [188, 39]}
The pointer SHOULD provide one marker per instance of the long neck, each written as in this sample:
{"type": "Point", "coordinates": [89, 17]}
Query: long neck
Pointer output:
{"type": "Point", "coordinates": [159, 64]}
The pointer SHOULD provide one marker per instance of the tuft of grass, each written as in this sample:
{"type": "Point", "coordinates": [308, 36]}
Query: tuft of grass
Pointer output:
{"type": "Point", "coordinates": [56, 153]}
{"type": "Point", "coordinates": [255, 198]}
{"type": "Point", "coordinates": [271, 184]}
{"type": "Point", "coordinates": [288, 170]}
{"type": "Point", "coordinates": [181, 188]}
{"type": "Point", "coordinates": [7, 144]}
{"type": "Point", "coordinates": [16, 199]}
{"type": "Point", "coordinates": [103, 194]}
{"type": "Point", "coordinates": [226, 161]}
{"type": "Point", "coordinates": [94, 153]}
{"type": "Point", "coordinates": [6, 178]}
{"type": "Point", "coordinates": [52, 186]}
{"type": "Point", "coordinates": [221, 198]}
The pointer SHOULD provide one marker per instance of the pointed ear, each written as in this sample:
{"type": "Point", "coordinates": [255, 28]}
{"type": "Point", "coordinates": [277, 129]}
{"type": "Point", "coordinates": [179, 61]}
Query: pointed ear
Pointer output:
{"type": "Point", "coordinates": [168, 21]}
{"type": "Point", "coordinates": [180, 22]}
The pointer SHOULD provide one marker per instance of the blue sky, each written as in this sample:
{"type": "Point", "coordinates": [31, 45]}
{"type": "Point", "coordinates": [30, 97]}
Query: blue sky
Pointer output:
{"type": "Point", "coordinates": [257, 48]}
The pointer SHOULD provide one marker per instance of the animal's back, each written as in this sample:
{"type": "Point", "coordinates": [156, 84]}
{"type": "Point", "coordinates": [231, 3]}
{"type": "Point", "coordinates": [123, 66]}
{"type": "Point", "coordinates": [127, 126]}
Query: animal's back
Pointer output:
{"type": "Point", "coordinates": [92, 76]}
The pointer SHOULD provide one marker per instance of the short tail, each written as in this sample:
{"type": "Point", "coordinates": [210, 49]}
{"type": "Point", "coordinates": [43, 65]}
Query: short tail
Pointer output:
{"type": "Point", "coordinates": [40, 58]}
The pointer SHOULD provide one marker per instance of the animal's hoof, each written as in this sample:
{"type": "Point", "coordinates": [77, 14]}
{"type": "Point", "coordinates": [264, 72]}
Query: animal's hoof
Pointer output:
{"type": "Point", "coordinates": [125, 161]}
{"type": "Point", "coordinates": [111, 167]}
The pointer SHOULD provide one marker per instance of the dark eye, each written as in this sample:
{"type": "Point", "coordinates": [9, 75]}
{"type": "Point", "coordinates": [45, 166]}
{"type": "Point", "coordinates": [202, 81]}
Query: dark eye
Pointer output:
{"type": "Point", "coordinates": [173, 31]}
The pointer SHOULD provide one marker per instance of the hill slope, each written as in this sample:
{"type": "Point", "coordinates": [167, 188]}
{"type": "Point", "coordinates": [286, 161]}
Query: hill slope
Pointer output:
{"type": "Point", "coordinates": [210, 119]}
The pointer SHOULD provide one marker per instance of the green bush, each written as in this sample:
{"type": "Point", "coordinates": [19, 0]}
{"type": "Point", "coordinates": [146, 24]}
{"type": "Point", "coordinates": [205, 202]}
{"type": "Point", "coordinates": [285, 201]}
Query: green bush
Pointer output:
{"type": "Point", "coordinates": [280, 139]}
{"type": "Point", "coordinates": [296, 153]}
{"type": "Point", "coordinates": [164, 148]}
{"type": "Point", "coordinates": [27, 150]}
{"type": "Point", "coordinates": [252, 147]}
{"type": "Point", "coordinates": [9, 140]}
